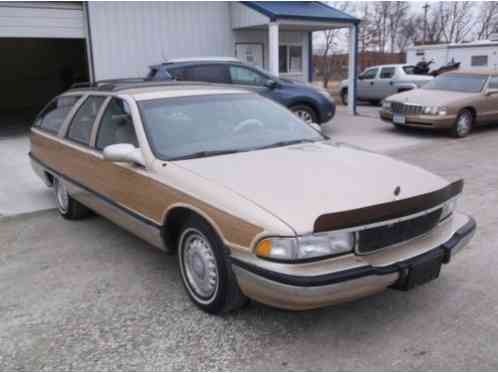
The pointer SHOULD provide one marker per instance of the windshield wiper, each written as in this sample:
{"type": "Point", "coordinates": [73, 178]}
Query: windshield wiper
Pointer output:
{"type": "Point", "coordinates": [286, 143]}
{"type": "Point", "coordinates": [205, 153]}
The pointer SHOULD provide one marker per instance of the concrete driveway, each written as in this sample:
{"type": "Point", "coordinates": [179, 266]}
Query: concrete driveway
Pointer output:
{"type": "Point", "coordinates": [88, 296]}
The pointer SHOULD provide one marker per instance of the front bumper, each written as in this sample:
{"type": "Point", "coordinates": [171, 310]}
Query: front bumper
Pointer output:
{"type": "Point", "coordinates": [289, 291]}
{"type": "Point", "coordinates": [422, 121]}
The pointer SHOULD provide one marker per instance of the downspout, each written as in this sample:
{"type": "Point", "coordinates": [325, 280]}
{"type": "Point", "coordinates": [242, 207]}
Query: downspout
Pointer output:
{"type": "Point", "coordinates": [355, 77]}
{"type": "Point", "coordinates": [310, 56]}
{"type": "Point", "coordinates": [89, 44]}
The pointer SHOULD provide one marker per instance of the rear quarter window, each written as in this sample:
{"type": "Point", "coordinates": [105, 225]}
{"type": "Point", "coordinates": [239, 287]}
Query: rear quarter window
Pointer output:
{"type": "Point", "coordinates": [54, 114]}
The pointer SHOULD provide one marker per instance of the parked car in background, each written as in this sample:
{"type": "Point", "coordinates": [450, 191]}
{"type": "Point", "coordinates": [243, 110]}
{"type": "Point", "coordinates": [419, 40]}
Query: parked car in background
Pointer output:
{"type": "Point", "coordinates": [378, 82]}
{"type": "Point", "coordinates": [309, 103]}
{"type": "Point", "coordinates": [455, 101]}
{"type": "Point", "coordinates": [255, 202]}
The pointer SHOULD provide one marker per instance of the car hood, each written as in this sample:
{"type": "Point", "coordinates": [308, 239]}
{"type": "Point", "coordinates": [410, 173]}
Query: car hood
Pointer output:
{"type": "Point", "coordinates": [299, 183]}
{"type": "Point", "coordinates": [430, 97]}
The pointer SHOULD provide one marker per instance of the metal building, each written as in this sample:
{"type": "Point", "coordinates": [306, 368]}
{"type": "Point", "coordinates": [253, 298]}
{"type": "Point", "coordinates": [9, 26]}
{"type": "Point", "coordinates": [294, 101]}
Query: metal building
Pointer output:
{"type": "Point", "coordinates": [45, 47]}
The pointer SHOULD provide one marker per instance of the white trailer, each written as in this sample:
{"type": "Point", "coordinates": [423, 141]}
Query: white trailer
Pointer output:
{"type": "Point", "coordinates": [478, 54]}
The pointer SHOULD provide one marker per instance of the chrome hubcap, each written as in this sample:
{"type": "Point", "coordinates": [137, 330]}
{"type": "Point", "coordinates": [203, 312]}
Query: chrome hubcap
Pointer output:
{"type": "Point", "coordinates": [304, 115]}
{"type": "Point", "coordinates": [464, 124]}
{"type": "Point", "coordinates": [61, 196]}
{"type": "Point", "coordinates": [200, 265]}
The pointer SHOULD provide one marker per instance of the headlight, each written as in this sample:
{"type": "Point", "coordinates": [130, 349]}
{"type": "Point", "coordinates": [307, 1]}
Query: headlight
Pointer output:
{"type": "Point", "coordinates": [435, 110]}
{"type": "Point", "coordinates": [448, 208]}
{"type": "Point", "coordinates": [305, 247]}
{"type": "Point", "coordinates": [386, 105]}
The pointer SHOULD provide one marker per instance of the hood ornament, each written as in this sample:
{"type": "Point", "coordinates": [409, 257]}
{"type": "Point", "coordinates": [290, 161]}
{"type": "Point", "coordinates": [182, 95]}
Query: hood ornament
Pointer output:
{"type": "Point", "coordinates": [397, 192]}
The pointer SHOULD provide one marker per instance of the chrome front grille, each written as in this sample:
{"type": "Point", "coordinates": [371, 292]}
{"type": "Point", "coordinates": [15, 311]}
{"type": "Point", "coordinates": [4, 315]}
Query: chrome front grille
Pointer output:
{"type": "Point", "coordinates": [407, 109]}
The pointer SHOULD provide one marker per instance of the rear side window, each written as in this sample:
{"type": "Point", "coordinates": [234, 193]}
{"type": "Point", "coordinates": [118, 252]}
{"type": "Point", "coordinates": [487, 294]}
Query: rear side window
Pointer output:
{"type": "Point", "coordinates": [179, 73]}
{"type": "Point", "coordinates": [387, 72]}
{"type": "Point", "coordinates": [52, 117]}
{"type": "Point", "coordinates": [116, 126]}
{"type": "Point", "coordinates": [81, 126]}
{"type": "Point", "coordinates": [208, 73]}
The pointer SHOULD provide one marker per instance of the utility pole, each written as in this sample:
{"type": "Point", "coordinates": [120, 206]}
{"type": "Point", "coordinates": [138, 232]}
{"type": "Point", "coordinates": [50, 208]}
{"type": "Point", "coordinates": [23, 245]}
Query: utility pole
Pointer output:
{"type": "Point", "coordinates": [426, 8]}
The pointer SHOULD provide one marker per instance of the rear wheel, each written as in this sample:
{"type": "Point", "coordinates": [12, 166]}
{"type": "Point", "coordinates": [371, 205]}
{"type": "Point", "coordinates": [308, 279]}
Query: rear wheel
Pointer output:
{"type": "Point", "coordinates": [68, 207]}
{"type": "Point", "coordinates": [305, 113]}
{"type": "Point", "coordinates": [206, 273]}
{"type": "Point", "coordinates": [463, 124]}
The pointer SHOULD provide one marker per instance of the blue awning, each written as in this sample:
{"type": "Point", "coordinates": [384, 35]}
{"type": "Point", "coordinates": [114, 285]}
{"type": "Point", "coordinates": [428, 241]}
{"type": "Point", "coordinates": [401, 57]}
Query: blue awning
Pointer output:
{"type": "Point", "coordinates": [300, 10]}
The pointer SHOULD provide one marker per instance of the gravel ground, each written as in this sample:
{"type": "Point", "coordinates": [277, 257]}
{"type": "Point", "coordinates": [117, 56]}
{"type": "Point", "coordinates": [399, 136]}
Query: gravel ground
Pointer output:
{"type": "Point", "coordinates": [88, 296]}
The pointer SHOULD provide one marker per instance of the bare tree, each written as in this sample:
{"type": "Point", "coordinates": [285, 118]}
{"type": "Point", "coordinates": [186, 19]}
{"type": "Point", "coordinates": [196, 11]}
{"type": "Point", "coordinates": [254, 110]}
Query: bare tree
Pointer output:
{"type": "Point", "coordinates": [332, 39]}
{"type": "Point", "coordinates": [456, 20]}
{"type": "Point", "coordinates": [487, 19]}
{"type": "Point", "coordinates": [397, 13]}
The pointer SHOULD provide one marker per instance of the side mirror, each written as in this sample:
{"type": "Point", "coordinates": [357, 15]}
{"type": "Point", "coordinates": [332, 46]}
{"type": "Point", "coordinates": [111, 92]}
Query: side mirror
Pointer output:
{"type": "Point", "coordinates": [491, 92]}
{"type": "Point", "coordinates": [126, 153]}
{"type": "Point", "coordinates": [271, 84]}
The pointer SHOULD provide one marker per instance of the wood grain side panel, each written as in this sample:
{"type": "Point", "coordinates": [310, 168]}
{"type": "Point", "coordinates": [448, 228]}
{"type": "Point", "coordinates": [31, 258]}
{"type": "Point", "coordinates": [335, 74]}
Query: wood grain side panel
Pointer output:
{"type": "Point", "coordinates": [130, 188]}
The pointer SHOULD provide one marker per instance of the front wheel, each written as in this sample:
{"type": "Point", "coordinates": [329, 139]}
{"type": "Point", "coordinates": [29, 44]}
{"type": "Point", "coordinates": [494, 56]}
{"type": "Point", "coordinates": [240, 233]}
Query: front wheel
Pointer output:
{"type": "Point", "coordinates": [205, 271]}
{"type": "Point", "coordinates": [68, 207]}
{"type": "Point", "coordinates": [463, 124]}
{"type": "Point", "coordinates": [305, 113]}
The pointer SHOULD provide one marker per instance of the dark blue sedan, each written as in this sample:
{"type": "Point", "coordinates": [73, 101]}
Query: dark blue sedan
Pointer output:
{"type": "Point", "coordinates": [311, 104]}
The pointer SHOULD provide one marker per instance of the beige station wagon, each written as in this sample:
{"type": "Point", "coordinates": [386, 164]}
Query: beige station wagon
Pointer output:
{"type": "Point", "coordinates": [256, 203]}
{"type": "Point", "coordinates": [455, 101]}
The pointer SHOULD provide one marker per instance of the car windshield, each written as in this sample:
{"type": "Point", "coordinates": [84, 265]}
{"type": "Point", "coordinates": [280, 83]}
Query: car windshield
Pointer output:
{"type": "Point", "coordinates": [201, 126]}
{"type": "Point", "coordinates": [458, 83]}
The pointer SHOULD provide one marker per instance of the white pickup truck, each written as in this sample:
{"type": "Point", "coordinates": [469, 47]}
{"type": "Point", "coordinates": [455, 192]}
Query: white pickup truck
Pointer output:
{"type": "Point", "coordinates": [378, 82]}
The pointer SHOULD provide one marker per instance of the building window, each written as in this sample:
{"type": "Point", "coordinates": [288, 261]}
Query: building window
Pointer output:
{"type": "Point", "coordinates": [290, 58]}
{"type": "Point", "coordinates": [479, 61]}
{"type": "Point", "coordinates": [420, 53]}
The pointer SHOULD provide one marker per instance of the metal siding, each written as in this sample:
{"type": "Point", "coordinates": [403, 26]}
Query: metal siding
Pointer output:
{"type": "Point", "coordinates": [28, 20]}
{"type": "Point", "coordinates": [243, 16]}
{"type": "Point", "coordinates": [127, 37]}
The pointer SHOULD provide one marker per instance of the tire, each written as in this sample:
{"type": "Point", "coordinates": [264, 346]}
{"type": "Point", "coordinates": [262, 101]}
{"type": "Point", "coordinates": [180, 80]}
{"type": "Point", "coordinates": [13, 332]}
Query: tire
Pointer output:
{"type": "Point", "coordinates": [463, 124]}
{"type": "Point", "coordinates": [305, 113]}
{"type": "Point", "coordinates": [68, 207]}
{"type": "Point", "coordinates": [344, 97]}
{"type": "Point", "coordinates": [201, 256]}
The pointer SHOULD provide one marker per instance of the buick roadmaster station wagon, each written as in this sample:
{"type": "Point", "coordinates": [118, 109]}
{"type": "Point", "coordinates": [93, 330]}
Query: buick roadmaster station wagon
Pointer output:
{"type": "Point", "coordinates": [256, 203]}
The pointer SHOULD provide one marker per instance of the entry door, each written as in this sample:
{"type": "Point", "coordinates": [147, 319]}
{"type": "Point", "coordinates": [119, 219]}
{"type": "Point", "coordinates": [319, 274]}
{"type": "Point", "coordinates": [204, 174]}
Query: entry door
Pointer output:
{"type": "Point", "coordinates": [250, 53]}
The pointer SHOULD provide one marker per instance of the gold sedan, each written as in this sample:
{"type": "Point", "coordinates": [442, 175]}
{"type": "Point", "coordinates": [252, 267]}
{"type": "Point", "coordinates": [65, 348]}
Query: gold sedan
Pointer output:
{"type": "Point", "coordinates": [455, 101]}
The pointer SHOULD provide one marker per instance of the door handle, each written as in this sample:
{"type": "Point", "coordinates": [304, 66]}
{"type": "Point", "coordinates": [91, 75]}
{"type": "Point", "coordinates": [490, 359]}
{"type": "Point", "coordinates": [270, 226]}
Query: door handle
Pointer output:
{"type": "Point", "coordinates": [371, 83]}
{"type": "Point", "coordinates": [391, 83]}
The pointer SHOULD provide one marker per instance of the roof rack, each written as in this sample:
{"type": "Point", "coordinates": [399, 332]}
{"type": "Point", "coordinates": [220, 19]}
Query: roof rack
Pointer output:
{"type": "Point", "coordinates": [202, 59]}
{"type": "Point", "coordinates": [108, 82]}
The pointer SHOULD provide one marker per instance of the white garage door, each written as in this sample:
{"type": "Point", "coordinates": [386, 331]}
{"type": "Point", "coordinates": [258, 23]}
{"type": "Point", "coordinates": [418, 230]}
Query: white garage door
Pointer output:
{"type": "Point", "coordinates": [41, 20]}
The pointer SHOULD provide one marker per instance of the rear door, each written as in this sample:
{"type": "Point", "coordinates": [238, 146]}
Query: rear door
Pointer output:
{"type": "Point", "coordinates": [384, 86]}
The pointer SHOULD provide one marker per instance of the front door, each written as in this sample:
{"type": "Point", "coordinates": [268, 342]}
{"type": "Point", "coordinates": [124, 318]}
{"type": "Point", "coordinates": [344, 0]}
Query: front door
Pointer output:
{"type": "Point", "coordinates": [366, 84]}
{"type": "Point", "coordinates": [489, 107]}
